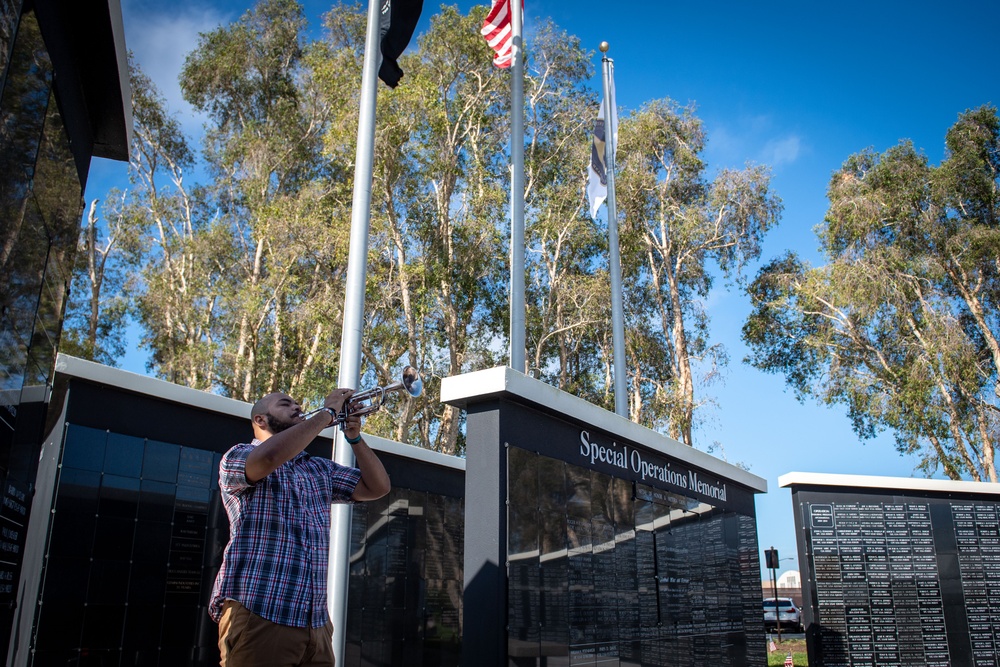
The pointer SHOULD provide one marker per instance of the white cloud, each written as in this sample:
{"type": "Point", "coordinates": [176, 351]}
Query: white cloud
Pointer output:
{"type": "Point", "coordinates": [777, 152]}
{"type": "Point", "coordinates": [161, 40]}
{"type": "Point", "coordinates": [755, 138]}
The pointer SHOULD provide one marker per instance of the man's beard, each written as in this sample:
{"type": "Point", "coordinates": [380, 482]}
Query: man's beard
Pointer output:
{"type": "Point", "coordinates": [275, 426]}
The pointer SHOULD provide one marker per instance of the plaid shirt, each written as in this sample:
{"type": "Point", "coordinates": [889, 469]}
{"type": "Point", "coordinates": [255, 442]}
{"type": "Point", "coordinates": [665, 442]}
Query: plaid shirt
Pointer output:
{"type": "Point", "coordinates": [276, 561]}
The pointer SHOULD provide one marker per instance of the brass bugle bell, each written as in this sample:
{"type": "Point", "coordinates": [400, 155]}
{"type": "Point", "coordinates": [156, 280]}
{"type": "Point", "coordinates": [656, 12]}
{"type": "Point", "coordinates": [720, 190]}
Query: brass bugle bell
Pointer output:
{"type": "Point", "coordinates": [370, 400]}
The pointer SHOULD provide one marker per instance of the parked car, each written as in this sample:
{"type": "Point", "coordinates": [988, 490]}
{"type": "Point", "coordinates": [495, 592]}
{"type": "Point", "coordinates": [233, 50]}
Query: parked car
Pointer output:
{"type": "Point", "coordinates": [788, 614]}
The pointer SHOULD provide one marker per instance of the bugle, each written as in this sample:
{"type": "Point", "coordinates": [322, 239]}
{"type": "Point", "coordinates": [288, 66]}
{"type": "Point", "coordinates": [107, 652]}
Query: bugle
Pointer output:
{"type": "Point", "coordinates": [370, 400]}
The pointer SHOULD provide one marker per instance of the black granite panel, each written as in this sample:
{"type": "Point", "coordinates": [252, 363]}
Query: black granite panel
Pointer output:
{"type": "Point", "coordinates": [618, 567]}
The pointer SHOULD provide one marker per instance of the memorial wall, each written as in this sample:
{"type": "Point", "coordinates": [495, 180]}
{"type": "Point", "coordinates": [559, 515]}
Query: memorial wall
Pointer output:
{"type": "Point", "coordinates": [64, 97]}
{"type": "Point", "coordinates": [127, 531]}
{"type": "Point", "coordinates": [604, 570]}
{"type": "Point", "coordinates": [602, 542]}
{"type": "Point", "coordinates": [898, 572]}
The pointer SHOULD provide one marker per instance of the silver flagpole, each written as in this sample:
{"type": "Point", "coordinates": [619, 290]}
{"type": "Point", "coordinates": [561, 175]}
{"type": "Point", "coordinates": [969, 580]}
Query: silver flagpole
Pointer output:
{"type": "Point", "coordinates": [517, 335]}
{"type": "Point", "coordinates": [615, 267]}
{"type": "Point", "coordinates": [354, 307]}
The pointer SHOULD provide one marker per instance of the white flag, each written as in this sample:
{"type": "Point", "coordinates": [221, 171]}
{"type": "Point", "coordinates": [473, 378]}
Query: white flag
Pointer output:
{"type": "Point", "coordinates": [597, 184]}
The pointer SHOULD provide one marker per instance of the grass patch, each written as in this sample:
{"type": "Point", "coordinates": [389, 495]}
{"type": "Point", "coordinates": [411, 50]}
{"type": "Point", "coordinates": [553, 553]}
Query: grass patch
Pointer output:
{"type": "Point", "coordinates": [798, 649]}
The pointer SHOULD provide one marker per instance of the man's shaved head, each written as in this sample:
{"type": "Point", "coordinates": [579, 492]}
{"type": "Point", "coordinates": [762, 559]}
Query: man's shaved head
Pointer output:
{"type": "Point", "coordinates": [280, 411]}
{"type": "Point", "coordinates": [262, 406]}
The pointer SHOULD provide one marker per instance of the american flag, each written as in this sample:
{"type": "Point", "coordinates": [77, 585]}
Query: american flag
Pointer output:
{"type": "Point", "coordinates": [788, 661]}
{"type": "Point", "coordinates": [496, 29]}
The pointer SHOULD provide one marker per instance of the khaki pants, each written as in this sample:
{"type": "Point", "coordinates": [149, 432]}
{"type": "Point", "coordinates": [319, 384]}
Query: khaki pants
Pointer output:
{"type": "Point", "coordinates": [247, 640]}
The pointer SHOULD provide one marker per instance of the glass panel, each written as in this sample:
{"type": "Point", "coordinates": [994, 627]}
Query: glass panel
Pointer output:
{"type": "Point", "coordinates": [13, 355]}
{"type": "Point", "coordinates": [59, 626]}
{"type": "Point", "coordinates": [78, 491]}
{"type": "Point", "coordinates": [22, 268]}
{"type": "Point", "coordinates": [197, 469]}
{"type": "Point", "coordinates": [113, 539]}
{"type": "Point", "coordinates": [152, 543]}
{"type": "Point", "coordinates": [23, 242]}
{"type": "Point", "coordinates": [156, 500]}
{"type": "Point", "coordinates": [124, 455]}
{"type": "Point", "coordinates": [25, 99]}
{"type": "Point", "coordinates": [108, 582]}
{"type": "Point", "coordinates": [142, 630]}
{"type": "Point", "coordinates": [66, 580]}
{"type": "Point", "coordinates": [396, 585]}
{"type": "Point", "coordinates": [194, 497]}
{"type": "Point", "coordinates": [102, 627]}
{"type": "Point", "coordinates": [631, 574]}
{"type": "Point", "coordinates": [119, 497]}
{"type": "Point", "coordinates": [9, 11]}
{"type": "Point", "coordinates": [84, 448]}
{"type": "Point", "coordinates": [37, 371]}
{"type": "Point", "coordinates": [160, 460]}
{"type": "Point", "coordinates": [56, 184]}
{"type": "Point", "coordinates": [523, 572]}
{"type": "Point", "coordinates": [72, 534]}
{"type": "Point", "coordinates": [147, 583]}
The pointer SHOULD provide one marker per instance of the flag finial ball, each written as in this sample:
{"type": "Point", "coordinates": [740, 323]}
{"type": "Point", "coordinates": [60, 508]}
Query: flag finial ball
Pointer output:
{"type": "Point", "coordinates": [604, 47]}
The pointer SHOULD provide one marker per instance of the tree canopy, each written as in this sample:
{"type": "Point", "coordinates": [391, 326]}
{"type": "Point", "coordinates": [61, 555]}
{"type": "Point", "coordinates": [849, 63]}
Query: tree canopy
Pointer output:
{"type": "Point", "coordinates": [901, 325]}
{"type": "Point", "coordinates": [239, 279]}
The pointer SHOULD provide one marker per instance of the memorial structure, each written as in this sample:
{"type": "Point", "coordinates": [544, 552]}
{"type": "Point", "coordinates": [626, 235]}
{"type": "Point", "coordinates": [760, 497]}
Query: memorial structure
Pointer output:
{"type": "Point", "coordinates": [897, 571]}
{"type": "Point", "coordinates": [592, 540]}
{"type": "Point", "coordinates": [64, 98]}
{"type": "Point", "coordinates": [124, 536]}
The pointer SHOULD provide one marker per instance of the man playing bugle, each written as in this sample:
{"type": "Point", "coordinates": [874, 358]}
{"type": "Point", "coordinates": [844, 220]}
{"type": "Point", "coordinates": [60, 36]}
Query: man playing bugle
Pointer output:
{"type": "Point", "coordinates": [270, 596]}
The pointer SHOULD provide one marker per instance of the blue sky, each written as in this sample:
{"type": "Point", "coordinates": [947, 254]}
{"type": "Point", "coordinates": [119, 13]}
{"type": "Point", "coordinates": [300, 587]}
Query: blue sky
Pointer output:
{"type": "Point", "coordinates": [798, 86]}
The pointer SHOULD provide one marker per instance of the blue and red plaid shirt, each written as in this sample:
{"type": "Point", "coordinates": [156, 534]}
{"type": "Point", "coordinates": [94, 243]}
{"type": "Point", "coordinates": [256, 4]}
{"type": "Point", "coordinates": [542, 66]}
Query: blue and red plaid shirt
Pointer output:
{"type": "Point", "coordinates": [276, 561]}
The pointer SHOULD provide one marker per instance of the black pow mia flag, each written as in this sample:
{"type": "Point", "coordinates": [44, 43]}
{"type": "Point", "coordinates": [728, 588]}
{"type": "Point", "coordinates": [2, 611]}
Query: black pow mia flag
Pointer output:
{"type": "Point", "coordinates": [397, 21]}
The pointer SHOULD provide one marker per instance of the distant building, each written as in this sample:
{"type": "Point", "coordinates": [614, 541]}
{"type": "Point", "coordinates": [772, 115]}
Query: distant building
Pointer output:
{"type": "Point", "coordinates": [65, 97]}
{"type": "Point", "coordinates": [789, 586]}
{"type": "Point", "coordinates": [790, 579]}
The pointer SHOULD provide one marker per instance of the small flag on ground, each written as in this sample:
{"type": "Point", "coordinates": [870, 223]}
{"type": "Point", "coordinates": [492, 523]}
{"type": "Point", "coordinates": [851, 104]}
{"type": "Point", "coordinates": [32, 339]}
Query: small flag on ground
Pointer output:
{"type": "Point", "coordinates": [497, 31]}
{"type": "Point", "coordinates": [597, 183]}
{"type": "Point", "coordinates": [771, 648]}
{"type": "Point", "coordinates": [788, 661]}
{"type": "Point", "coordinates": [397, 21]}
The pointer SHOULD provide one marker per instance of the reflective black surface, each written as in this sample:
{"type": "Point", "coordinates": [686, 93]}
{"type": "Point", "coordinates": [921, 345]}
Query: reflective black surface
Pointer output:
{"type": "Point", "coordinates": [898, 580]}
{"type": "Point", "coordinates": [601, 572]}
{"type": "Point", "coordinates": [405, 582]}
{"type": "Point", "coordinates": [130, 562]}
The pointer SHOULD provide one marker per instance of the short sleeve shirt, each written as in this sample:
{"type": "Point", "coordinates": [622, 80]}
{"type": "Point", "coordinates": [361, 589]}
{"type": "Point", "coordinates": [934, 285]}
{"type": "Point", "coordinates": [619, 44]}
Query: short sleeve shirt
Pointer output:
{"type": "Point", "coordinates": [276, 561]}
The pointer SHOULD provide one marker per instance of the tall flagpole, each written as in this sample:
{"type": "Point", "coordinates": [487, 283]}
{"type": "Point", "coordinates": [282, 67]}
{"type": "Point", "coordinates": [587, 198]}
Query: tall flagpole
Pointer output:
{"type": "Point", "coordinates": [614, 258]}
{"type": "Point", "coordinates": [354, 307]}
{"type": "Point", "coordinates": [517, 335]}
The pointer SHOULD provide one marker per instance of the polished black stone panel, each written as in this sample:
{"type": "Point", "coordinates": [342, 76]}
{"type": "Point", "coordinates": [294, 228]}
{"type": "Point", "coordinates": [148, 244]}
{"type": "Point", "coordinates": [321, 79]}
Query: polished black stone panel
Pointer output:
{"type": "Point", "coordinates": [406, 580]}
{"type": "Point", "coordinates": [625, 574]}
{"type": "Point", "coordinates": [85, 448]}
{"type": "Point", "coordinates": [128, 549]}
{"type": "Point", "coordinates": [898, 578]}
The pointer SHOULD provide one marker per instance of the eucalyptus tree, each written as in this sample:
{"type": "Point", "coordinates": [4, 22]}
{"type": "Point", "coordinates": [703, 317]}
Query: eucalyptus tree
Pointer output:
{"type": "Point", "coordinates": [437, 251]}
{"type": "Point", "coordinates": [283, 202]}
{"type": "Point", "coordinates": [391, 336]}
{"type": "Point", "coordinates": [901, 324]}
{"type": "Point", "coordinates": [181, 267]}
{"type": "Point", "coordinates": [104, 275]}
{"type": "Point", "coordinates": [678, 229]}
{"type": "Point", "coordinates": [566, 289]}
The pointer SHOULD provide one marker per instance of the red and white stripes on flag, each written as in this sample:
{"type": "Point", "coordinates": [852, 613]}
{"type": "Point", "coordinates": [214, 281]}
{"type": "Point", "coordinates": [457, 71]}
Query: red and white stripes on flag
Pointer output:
{"type": "Point", "coordinates": [497, 31]}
